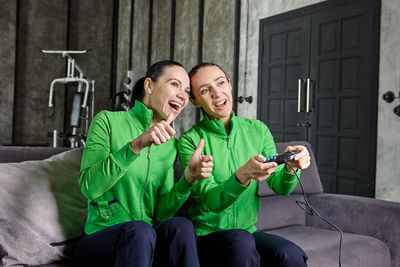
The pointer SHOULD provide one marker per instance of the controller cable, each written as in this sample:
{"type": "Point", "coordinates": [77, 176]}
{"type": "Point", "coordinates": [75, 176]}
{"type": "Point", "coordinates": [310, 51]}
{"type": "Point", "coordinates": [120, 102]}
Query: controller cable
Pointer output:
{"type": "Point", "coordinates": [309, 210]}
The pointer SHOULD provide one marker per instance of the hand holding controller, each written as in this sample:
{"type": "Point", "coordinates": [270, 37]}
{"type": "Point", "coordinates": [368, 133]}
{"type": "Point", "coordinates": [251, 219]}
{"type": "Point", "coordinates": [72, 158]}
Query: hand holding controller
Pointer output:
{"type": "Point", "coordinates": [283, 158]}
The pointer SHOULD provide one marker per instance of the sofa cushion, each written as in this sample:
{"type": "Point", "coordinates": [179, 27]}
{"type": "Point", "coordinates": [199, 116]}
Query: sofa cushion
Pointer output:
{"type": "Point", "coordinates": [322, 247]}
{"type": "Point", "coordinates": [41, 203]}
{"type": "Point", "coordinates": [309, 177]}
{"type": "Point", "coordinates": [280, 211]}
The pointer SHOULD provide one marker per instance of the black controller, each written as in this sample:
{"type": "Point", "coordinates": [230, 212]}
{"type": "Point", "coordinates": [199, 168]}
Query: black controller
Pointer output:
{"type": "Point", "coordinates": [283, 158]}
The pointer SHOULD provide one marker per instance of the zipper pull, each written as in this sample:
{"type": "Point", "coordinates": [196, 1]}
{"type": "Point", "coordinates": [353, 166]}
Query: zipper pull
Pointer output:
{"type": "Point", "coordinates": [227, 142]}
{"type": "Point", "coordinates": [148, 153]}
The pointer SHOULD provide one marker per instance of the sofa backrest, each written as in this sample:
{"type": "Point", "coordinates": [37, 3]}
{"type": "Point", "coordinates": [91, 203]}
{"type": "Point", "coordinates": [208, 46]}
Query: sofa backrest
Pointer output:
{"type": "Point", "coordinates": [281, 211]}
{"type": "Point", "coordinates": [23, 153]}
{"type": "Point", "coordinates": [309, 177]}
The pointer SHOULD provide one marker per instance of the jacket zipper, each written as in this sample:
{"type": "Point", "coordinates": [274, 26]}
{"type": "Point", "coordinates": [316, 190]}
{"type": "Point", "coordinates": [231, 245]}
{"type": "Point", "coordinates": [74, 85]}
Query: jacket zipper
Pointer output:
{"type": "Point", "coordinates": [234, 164]}
{"type": "Point", "coordinates": [145, 184]}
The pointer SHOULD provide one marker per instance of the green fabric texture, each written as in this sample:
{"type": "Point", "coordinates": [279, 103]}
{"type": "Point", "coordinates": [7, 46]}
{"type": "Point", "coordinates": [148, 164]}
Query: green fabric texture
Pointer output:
{"type": "Point", "coordinates": [143, 184]}
{"type": "Point", "coordinates": [221, 202]}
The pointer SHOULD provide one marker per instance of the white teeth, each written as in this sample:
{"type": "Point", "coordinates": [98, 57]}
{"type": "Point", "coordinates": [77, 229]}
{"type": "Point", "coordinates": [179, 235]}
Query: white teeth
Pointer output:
{"type": "Point", "coordinates": [220, 103]}
{"type": "Point", "coordinates": [176, 103]}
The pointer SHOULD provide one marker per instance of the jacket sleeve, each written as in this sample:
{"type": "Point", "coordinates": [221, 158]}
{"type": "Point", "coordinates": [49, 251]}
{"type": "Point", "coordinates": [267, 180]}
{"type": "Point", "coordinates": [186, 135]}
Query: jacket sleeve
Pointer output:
{"type": "Point", "coordinates": [281, 181]}
{"type": "Point", "coordinates": [215, 197]}
{"type": "Point", "coordinates": [171, 196]}
{"type": "Point", "coordinates": [101, 169]}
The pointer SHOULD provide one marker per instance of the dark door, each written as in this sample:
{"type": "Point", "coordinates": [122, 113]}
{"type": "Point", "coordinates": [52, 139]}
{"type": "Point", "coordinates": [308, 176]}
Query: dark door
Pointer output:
{"type": "Point", "coordinates": [284, 61]}
{"type": "Point", "coordinates": [338, 91]}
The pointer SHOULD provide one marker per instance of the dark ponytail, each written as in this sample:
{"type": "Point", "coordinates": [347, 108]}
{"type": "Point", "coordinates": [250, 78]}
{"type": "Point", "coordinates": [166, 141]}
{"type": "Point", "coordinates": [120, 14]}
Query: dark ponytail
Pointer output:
{"type": "Point", "coordinates": [138, 90]}
{"type": "Point", "coordinates": [154, 72]}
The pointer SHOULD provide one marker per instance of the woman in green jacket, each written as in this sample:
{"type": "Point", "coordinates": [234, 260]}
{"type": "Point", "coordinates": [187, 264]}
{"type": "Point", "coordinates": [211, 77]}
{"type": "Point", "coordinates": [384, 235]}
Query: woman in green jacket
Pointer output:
{"type": "Point", "coordinates": [127, 174]}
{"type": "Point", "coordinates": [224, 208]}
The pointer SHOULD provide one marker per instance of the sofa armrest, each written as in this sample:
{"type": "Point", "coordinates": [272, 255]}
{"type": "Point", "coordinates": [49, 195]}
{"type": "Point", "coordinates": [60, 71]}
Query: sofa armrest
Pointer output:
{"type": "Point", "coordinates": [360, 215]}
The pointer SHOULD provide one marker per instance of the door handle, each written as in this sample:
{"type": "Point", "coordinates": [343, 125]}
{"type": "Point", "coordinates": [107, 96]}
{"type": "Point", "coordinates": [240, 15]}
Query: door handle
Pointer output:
{"type": "Point", "coordinates": [307, 124]}
{"type": "Point", "coordinates": [308, 95]}
{"type": "Point", "coordinates": [299, 83]}
{"type": "Point", "coordinates": [308, 86]}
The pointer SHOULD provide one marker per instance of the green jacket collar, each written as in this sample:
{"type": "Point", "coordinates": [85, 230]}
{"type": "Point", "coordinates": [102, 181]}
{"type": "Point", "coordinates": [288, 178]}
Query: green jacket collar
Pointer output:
{"type": "Point", "coordinates": [141, 114]}
{"type": "Point", "coordinates": [217, 127]}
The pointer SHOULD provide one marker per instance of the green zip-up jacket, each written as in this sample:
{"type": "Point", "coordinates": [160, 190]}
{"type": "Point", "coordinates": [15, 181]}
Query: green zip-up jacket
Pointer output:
{"type": "Point", "coordinates": [221, 202]}
{"type": "Point", "coordinates": [121, 185]}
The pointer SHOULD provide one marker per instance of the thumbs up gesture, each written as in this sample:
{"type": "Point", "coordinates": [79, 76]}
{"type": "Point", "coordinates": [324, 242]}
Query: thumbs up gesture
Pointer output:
{"type": "Point", "coordinates": [159, 133]}
{"type": "Point", "coordinates": [199, 166]}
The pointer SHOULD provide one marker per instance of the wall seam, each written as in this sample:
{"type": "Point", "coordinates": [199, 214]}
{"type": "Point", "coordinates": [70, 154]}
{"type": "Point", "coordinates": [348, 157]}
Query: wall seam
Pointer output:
{"type": "Point", "coordinates": [15, 100]}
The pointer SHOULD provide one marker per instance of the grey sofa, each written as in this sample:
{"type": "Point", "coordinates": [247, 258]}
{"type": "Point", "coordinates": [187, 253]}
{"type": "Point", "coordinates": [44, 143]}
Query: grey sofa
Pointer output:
{"type": "Point", "coordinates": [371, 227]}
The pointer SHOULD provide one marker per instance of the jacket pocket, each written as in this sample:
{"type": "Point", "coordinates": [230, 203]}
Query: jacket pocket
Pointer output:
{"type": "Point", "coordinates": [105, 214]}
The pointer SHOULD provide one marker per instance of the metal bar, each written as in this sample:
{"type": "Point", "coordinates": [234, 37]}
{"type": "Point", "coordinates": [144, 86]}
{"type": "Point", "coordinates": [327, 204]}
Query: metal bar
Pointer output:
{"type": "Point", "coordinates": [299, 82]}
{"type": "Point", "coordinates": [68, 80]}
{"type": "Point", "coordinates": [69, 68]}
{"type": "Point", "coordinates": [72, 68]}
{"type": "Point", "coordinates": [64, 51]}
{"type": "Point", "coordinates": [308, 95]}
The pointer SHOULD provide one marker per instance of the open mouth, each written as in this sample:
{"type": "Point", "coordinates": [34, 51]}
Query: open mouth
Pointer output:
{"type": "Point", "coordinates": [221, 104]}
{"type": "Point", "coordinates": [175, 106]}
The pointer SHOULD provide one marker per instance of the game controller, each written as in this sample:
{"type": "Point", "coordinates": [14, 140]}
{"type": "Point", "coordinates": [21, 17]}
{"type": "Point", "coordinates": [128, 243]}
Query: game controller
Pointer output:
{"type": "Point", "coordinates": [283, 158]}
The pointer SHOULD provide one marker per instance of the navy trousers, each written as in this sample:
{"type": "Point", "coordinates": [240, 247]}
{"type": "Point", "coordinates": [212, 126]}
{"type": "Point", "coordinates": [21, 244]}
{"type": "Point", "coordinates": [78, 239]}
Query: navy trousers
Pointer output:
{"type": "Point", "coordinates": [228, 248]}
{"type": "Point", "coordinates": [276, 251]}
{"type": "Point", "coordinates": [137, 243]}
{"type": "Point", "coordinates": [239, 248]}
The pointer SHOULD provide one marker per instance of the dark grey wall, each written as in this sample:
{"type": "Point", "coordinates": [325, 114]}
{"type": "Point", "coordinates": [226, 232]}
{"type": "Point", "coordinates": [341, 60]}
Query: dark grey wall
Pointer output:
{"type": "Point", "coordinates": [27, 27]}
{"type": "Point", "coordinates": [7, 67]}
{"type": "Point", "coordinates": [91, 26]}
{"type": "Point", "coordinates": [186, 31]}
{"type": "Point", "coordinates": [41, 25]}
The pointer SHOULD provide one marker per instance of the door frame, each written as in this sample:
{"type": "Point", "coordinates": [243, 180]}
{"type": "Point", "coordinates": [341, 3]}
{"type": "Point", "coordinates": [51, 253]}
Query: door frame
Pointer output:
{"type": "Point", "coordinates": [324, 6]}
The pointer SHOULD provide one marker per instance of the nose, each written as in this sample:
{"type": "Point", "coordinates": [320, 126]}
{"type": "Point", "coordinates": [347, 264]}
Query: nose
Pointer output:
{"type": "Point", "coordinates": [182, 94]}
{"type": "Point", "coordinates": [215, 92]}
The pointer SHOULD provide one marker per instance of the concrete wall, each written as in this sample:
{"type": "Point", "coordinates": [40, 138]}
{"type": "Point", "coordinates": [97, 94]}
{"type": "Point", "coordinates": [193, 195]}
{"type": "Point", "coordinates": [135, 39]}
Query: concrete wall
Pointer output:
{"type": "Point", "coordinates": [388, 145]}
{"type": "Point", "coordinates": [186, 32]}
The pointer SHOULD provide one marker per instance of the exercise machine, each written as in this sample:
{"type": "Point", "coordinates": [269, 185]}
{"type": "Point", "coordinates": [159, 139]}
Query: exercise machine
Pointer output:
{"type": "Point", "coordinates": [81, 115]}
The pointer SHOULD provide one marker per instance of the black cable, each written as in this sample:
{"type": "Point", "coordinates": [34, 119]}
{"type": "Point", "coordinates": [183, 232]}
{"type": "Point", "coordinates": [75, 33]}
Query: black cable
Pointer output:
{"type": "Point", "coordinates": [309, 210]}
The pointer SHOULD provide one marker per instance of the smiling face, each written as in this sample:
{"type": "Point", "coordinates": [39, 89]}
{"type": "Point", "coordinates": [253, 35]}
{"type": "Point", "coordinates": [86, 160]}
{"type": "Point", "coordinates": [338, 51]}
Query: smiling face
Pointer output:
{"type": "Point", "coordinates": [169, 93]}
{"type": "Point", "coordinates": [212, 91]}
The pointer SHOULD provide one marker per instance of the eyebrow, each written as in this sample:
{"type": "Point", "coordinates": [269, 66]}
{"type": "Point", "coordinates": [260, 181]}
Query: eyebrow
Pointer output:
{"type": "Point", "coordinates": [175, 79]}
{"type": "Point", "coordinates": [216, 79]}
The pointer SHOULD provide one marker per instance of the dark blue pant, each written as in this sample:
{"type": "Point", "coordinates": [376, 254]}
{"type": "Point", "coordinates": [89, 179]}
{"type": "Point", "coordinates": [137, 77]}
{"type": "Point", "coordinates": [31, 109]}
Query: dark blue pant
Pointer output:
{"type": "Point", "coordinates": [230, 248]}
{"type": "Point", "coordinates": [276, 251]}
{"type": "Point", "coordinates": [237, 248]}
{"type": "Point", "coordinates": [136, 243]}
